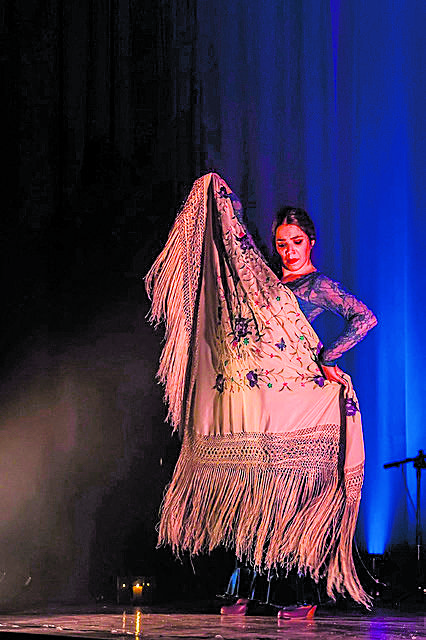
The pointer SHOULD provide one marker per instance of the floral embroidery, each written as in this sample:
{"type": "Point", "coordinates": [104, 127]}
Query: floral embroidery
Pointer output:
{"type": "Point", "coordinates": [319, 380]}
{"type": "Point", "coordinates": [245, 242]}
{"type": "Point", "coordinates": [241, 327]}
{"type": "Point", "coordinates": [351, 407]}
{"type": "Point", "coordinates": [235, 201]}
{"type": "Point", "coordinates": [220, 383]}
{"type": "Point", "coordinates": [252, 378]}
{"type": "Point", "coordinates": [253, 309]}
{"type": "Point", "coordinates": [231, 196]}
{"type": "Point", "coordinates": [281, 345]}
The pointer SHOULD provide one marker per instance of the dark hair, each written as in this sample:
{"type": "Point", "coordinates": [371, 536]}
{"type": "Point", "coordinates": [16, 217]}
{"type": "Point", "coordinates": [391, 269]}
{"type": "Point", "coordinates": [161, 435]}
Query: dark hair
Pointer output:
{"type": "Point", "coordinates": [290, 215]}
{"type": "Point", "coordinates": [297, 216]}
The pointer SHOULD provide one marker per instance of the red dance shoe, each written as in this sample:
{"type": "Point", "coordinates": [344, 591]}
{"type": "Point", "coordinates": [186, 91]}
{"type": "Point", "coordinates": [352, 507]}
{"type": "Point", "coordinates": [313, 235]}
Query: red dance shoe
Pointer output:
{"type": "Point", "coordinates": [237, 609]}
{"type": "Point", "coordinates": [293, 613]}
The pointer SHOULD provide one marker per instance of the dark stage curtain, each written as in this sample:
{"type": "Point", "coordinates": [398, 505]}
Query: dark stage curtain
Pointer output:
{"type": "Point", "coordinates": [81, 414]}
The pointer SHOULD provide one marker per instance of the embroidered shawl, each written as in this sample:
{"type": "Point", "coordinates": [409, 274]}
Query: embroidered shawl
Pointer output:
{"type": "Point", "coordinates": [271, 463]}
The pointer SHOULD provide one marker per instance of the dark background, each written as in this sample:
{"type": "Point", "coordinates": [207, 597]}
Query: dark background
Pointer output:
{"type": "Point", "coordinates": [88, 198]}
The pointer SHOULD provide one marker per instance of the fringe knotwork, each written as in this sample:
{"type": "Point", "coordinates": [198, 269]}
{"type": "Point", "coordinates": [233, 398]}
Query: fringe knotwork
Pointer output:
{"type": "Point", "coordinates": [271, 516]}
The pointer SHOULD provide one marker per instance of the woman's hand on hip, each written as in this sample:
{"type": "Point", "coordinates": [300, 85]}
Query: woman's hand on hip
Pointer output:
{"type": "Point", "coordinates": [334, 374]}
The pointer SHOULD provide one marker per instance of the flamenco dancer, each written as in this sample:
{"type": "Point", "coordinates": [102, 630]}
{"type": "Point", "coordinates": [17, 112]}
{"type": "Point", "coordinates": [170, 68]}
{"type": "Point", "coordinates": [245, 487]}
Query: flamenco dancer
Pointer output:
{"type": "Point", "coordinates": [270, 465]}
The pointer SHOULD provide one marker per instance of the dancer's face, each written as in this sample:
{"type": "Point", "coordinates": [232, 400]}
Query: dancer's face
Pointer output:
{"type": "Point", "coordinates": [294, 247]}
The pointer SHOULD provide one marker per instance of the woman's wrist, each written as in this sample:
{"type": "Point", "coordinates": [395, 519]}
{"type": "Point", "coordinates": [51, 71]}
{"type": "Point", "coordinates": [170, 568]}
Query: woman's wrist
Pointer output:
{"type": "Point", "coordinates": [326, 362]}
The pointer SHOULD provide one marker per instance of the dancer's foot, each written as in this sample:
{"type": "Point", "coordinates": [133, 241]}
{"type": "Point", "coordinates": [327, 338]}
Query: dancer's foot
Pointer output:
{"type": "Point", "coordinates": [291, 613]}
{"type": "Point", "coordinates": [237, 609]}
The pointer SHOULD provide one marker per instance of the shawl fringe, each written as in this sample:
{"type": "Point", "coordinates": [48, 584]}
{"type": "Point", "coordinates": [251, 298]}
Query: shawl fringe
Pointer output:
{"type": "Point", "coordinates": [172, 283]}
{"type": "Point", "coordinates": [164, 284]}
{"type": "Point", "coordinates": [271, 518]}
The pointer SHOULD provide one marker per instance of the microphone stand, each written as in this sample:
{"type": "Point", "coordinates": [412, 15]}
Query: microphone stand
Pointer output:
{"type": "Point", "coordinates": [419, 463]}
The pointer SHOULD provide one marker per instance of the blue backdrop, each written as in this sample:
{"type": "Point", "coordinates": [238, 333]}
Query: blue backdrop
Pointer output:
{"type": "Point", "coordinates": [320, 103]}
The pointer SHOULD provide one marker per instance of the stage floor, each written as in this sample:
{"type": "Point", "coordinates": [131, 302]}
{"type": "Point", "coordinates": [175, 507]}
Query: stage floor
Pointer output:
{"type": "Point", "coordinates": [143, 623]}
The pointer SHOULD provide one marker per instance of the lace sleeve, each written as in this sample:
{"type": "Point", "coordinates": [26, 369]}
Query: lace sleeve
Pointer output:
{"type": "Point", "coordinates": [331, 296]}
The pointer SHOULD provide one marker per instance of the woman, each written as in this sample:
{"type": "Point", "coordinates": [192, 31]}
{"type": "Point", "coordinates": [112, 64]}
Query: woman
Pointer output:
{"type": "Point", "coordinates": [268, 465]}
{"type": "Point", "coordinates": [294, 237]}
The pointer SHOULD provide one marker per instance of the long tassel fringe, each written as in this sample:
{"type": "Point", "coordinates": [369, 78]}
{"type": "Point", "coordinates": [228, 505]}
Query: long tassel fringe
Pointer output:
{"type": "Point", "coordinates": [270, 517]}
{"type": "Point", "coordinates": [164, 284]}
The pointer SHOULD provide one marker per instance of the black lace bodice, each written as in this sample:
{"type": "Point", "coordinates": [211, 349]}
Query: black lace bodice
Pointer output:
{"type": "Point", "coordinates": [317, 293]}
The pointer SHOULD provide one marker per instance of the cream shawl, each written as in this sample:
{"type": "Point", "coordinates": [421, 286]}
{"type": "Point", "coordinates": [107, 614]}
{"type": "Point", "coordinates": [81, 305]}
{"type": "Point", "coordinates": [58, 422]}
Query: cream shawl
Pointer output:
{"type": "Point", "coordinates": [271, 462]}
